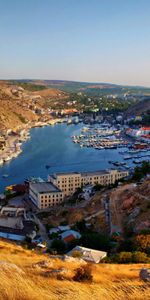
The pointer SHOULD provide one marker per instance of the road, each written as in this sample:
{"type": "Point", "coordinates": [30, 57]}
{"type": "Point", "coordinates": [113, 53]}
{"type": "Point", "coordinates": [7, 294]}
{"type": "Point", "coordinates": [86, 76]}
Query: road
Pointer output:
{"type": "Point", "coordinates": [42, 231]}
{"type": "Point", "coordinates": [100, 212]}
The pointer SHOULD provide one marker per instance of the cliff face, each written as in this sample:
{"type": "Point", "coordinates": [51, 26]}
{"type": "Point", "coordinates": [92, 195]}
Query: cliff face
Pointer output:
{"type": "Point", "coordinates": [130, 206]}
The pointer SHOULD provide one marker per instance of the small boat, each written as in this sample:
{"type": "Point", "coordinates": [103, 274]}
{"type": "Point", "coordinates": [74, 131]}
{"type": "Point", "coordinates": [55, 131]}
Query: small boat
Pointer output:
{"type": "Point", "coordinates": [127, 157]}
{"type": "Point", "coordinates": [47, 166]}
{"type": "Point", "coordinates": [69, 121]}
{"type": "Point", "coordinates": [5, 175]}
{"type": "Point", "coordinates": [136, 162]}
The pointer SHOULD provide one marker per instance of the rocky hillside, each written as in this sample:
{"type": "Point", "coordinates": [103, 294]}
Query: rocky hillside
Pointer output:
{"type": "Point", "coordinates": [27, 275]}
{"type": "Point", "coordinates": [18, 105]}
{"type": "Point", "coordinates": [130, 206]}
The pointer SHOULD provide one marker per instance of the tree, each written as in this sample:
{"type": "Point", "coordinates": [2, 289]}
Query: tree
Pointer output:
{"type": "Point", "coordinates": [59, 246]}
{"type": "Point", "coordinates": [130, 257]}
{"type": "Point", "coordinates": [80, 225]}
{"type": "Point", "coordinates": [140, 172]}
{"type": "Point", "coordinates": [95, 241]}
{"type": "Point", "coordinates": [98, 187]}
{"type": "Point", "coordinates": [142, 242]}
{"type": "Point", "coordinates": [125, 257]}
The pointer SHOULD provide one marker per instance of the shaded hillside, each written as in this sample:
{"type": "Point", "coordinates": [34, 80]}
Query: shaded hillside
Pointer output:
{"type": "Point", "coordinates": [27, 275]}
{"type": "Point", "coordinates": [139, 108]}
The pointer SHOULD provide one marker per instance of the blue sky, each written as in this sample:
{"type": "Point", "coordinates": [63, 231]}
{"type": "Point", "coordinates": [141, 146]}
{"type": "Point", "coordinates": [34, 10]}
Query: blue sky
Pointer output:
{"type": "Point", "coordinates": [82, 40]}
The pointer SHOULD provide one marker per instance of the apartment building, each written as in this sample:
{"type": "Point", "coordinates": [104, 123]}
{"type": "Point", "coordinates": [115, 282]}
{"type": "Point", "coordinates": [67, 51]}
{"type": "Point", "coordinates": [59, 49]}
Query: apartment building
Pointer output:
{"type": "Point", "coordinates": [69, 182]}
{"type": "Point", "coordinates": [45, 194]}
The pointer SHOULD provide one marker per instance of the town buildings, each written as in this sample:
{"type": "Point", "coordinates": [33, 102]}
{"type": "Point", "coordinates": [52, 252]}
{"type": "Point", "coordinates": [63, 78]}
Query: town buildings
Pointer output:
{"type": "Point", "coordinates": [141, 134]}
{"type": "Point", "coordinates": [45, 194]}
{"type": "Point", "coordinates": [70, 182]}
{"type": "Point", "coordinates": [70, 235]}
{"type": "Point", "coordinates": [14, 224]}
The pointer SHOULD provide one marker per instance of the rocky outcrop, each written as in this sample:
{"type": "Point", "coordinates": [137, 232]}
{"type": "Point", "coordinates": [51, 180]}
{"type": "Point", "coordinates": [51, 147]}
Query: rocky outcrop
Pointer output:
{"type": "Point", "coordinates": [6, 267]}
{"type": "Point", "coordinates": [145, 275]}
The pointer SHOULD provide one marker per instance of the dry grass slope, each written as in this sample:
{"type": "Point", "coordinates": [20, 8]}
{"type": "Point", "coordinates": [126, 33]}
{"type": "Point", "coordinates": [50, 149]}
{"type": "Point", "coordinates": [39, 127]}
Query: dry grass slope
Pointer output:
{"type": "Point", "coordinates": [20, 279]}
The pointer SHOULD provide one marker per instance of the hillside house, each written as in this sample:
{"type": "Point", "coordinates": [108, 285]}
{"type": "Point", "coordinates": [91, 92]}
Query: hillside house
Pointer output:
{"type": "Point", "coordinates": [87, 254]}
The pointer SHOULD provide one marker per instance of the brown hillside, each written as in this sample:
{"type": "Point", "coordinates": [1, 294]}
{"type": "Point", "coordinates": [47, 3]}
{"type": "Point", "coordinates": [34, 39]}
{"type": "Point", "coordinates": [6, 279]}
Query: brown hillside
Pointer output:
{"type": "Point", "coordinates": [17, 105]}
{"type": "Point", "coordinates": [51, 93]}
{"type": "Point", "coordinates": [26, 275]}
{"type": "Point", "coordinates": [130, 206]}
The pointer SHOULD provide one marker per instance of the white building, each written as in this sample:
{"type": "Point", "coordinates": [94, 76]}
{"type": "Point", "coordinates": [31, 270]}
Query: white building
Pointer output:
{"type": "Point", "coordinates": [70, 182]}
{"type": "Point", "coordinates": [45, 194]}
{"type": "Point", "coordinates": [89, 255]}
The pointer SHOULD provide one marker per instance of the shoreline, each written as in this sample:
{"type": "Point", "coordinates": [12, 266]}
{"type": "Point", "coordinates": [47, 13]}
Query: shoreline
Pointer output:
{"type": "Point", "coordinates": [12, 149]}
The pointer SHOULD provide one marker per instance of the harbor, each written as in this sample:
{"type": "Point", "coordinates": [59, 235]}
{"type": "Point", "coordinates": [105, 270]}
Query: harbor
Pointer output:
{"type": "Point", "coordinates": [40, 154]}
{"type": "Point", "coordinates": [11, 142]}
{"type": "Point", "coordinates": [105, 136]}
{"type": "Point", "coordinates": [100, 137]}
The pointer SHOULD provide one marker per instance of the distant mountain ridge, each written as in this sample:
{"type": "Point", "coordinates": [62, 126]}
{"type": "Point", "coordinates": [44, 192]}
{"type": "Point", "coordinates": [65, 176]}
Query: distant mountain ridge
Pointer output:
{"type": "Point", "coordinates": [89, 88]}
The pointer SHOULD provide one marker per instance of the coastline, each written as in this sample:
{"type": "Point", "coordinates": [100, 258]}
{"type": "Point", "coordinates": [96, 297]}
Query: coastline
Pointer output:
{"type": "Point", "coordinates": [12, 148]}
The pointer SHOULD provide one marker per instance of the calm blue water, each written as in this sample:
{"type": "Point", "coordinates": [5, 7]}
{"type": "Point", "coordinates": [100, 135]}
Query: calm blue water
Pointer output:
{"type": "Point", "coordinates": [53, 146]}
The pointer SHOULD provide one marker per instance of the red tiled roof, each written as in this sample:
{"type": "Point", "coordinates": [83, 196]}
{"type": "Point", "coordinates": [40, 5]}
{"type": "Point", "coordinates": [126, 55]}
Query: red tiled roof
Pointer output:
{"type": "Point", "coordinates": [145, 128]}
{"type": "Point", "coordinates": [69, 238]}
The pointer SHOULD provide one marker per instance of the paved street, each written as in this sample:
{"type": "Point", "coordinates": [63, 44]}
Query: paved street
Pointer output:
{"type": "Point", "coordinates": [42, 231]}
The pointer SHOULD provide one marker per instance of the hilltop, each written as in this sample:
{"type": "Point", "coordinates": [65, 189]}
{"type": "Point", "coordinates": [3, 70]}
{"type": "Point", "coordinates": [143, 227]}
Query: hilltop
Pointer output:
{"type": "Point", "coordinates": [27, 275]}
{"type": "Point", "coordinates": [90, 88]}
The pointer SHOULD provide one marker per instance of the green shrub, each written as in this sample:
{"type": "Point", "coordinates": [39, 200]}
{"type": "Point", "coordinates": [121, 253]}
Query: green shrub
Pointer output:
{"type": "Point", "coordinates": [139, 257]}
{"type": "Point", "coordinates": [129, 257]}
{"type": "Point", "coordinates": [76, 254]}
{"type": "Point", "coordinates": [58, 246]}
{"type": "Point", "coordinates": [125, 257]}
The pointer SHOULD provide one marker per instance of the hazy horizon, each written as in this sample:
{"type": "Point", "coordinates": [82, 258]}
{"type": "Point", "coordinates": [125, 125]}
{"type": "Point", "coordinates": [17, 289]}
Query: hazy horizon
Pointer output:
{"type": "Point", "coordinates": [75, 81]}
{"type": "Point", "coordinates": [99, 41]}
